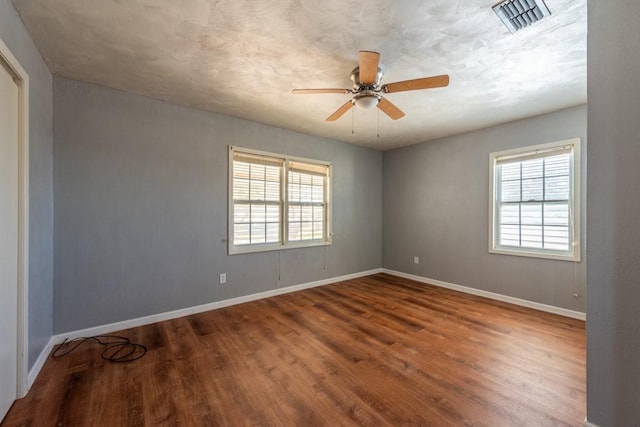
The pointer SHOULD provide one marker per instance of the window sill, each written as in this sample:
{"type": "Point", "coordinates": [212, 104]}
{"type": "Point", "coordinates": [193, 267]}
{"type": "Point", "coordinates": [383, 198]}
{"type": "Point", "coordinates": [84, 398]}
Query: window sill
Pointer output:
{"type": "Point", "coordinates": [573, 257]}
{"type": "Point", "coordinates": [248, 249]}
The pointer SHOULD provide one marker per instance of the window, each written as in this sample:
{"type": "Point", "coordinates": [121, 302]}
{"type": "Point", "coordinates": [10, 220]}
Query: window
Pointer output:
{"type": "Point", "coordinates": [277, 202]}
{"type": "Point", "coordinates": [534, 201]}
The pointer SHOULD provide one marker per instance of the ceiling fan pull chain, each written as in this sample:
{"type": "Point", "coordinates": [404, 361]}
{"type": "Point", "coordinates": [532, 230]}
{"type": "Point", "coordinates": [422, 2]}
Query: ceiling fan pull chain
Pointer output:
{"type": "Point", "coordinates": [378, 123]}
{"type": "Point", "coordinates": [353, 121]}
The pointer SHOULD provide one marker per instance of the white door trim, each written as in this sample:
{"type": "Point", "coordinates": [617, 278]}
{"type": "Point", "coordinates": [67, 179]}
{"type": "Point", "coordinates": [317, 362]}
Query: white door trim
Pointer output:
{"type": "Point", "coordinates": [22, 80]}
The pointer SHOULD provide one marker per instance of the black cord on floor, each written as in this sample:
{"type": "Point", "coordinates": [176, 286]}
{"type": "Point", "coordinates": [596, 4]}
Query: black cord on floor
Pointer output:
{"type": "Point", "coordinates": [118, 349]}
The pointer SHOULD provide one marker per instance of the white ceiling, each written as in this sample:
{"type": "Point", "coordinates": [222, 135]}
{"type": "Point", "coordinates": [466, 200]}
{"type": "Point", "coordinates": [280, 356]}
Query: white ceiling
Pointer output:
{"type": "Point", "coordinates": [243, 57]}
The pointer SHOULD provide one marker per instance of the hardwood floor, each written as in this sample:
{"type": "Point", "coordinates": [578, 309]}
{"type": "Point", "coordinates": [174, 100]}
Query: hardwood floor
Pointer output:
{"type": "Point", "coordinates": [378, 351]}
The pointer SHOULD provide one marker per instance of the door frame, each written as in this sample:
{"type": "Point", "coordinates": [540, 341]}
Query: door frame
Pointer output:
{"type": "Point", "coordinates": [22, 80]}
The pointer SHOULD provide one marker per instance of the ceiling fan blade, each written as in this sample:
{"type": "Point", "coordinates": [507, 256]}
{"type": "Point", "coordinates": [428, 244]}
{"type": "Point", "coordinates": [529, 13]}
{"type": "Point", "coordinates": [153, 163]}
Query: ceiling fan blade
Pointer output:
{"type": "Point", "coordinates": [423, 83]}
{"type": "Point", "coordinates": [340, 111]}
{"type": "Point", "coordinates": [368, 63]}
{"type": "Point", "coordinates": [390, 109]}
{"type": "Point", "coordinates": [303, 91]}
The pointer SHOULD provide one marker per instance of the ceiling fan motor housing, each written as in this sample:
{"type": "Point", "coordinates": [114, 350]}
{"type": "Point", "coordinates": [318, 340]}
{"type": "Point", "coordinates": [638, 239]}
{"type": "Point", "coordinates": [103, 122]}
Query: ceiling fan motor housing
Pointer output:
{"type": "Point", "coordinates": [357, 84]}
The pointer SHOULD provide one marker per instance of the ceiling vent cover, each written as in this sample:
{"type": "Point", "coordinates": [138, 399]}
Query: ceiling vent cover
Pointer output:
{"type": "Point", "coordinates": [518, 14]}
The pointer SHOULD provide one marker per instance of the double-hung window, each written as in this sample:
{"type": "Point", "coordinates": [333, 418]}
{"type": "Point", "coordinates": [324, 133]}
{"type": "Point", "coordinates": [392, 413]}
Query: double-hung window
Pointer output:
{"type": "Point", "coordinates": [277, 201]}
{"type": "Point", "coordinates": [535, 201]}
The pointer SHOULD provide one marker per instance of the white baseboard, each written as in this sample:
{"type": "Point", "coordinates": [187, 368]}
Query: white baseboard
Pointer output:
{"type": "Point", "coordinates": [588, 424]}
{"type": "Point", "coordinates": [37, 366]}
{"type": "Point", "coordinates": [491, 295]}
{"type": "Point", "coordinates": [140, 321]}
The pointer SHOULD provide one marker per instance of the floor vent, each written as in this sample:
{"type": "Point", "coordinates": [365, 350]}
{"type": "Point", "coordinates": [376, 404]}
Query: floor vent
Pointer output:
{"type": "Point", "coordinates": [518, 14]}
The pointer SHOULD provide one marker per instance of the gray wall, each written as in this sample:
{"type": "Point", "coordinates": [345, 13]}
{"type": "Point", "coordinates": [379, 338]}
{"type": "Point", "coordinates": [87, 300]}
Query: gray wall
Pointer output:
{"type": "Point", "coordinates": [15, 36]}
{"type": "Point", "coordinates": [141, 208]}
{"type": "Point", "coordinates": [436, 202]}
{"type": "Point", "coordinates": [613, 333]}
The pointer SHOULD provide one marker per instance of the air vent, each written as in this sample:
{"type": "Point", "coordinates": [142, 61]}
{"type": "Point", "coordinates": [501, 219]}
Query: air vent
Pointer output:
{"type": "Point", "coordinates": [518, 14]}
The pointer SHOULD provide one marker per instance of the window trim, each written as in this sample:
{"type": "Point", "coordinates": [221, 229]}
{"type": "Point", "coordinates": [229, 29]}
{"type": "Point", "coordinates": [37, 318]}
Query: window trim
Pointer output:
{"type": "Point", "coordinates": [573, 254]}
{"type": "Point", "coordinates": [284, 212]}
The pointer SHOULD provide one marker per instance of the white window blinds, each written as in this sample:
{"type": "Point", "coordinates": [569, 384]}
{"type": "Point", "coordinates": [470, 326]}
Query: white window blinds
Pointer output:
{"type": "Point", "coordinates": [256, 199]}
{"type": "Point", "coordinates": [534, 207]}
{"type": "Point", "coordinates": [307, 201]}
{"type": "Point", "coordinates": [277, 201]}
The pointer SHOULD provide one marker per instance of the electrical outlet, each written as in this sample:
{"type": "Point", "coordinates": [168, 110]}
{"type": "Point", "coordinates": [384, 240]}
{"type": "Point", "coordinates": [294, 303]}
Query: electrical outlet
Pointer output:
{"type": "Point", "coordinates": [416, 260]}
{"type": "Point", "coordinates": [223, 278]}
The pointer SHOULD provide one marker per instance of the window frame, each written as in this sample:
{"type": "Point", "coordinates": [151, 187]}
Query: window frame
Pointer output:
{"type": "Point", "coordinates": [283, 242]}
{"type": "Point", "coordinates": [574, 252]}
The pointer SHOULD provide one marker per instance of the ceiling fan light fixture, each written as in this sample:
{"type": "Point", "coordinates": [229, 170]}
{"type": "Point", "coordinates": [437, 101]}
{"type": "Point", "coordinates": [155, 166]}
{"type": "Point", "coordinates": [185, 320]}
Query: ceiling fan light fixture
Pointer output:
{"type": "Point", "coordinates": [518, 14]}
{"type": "Point", "coordinates": [366, 101]}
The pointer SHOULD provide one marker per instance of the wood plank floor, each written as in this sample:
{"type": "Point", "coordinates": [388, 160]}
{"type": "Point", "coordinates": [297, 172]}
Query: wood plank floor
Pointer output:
{"type": "Point", "coordinates": [376, 351]}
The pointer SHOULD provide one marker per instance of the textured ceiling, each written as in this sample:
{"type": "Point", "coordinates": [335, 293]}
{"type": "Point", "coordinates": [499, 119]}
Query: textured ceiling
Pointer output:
{"type": "Point", "coordinates": [242, 58]}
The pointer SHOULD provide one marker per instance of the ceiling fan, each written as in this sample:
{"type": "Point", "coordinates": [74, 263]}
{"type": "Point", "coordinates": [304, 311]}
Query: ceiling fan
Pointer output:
{"type": "Point", "coordinates": [368, 92]}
